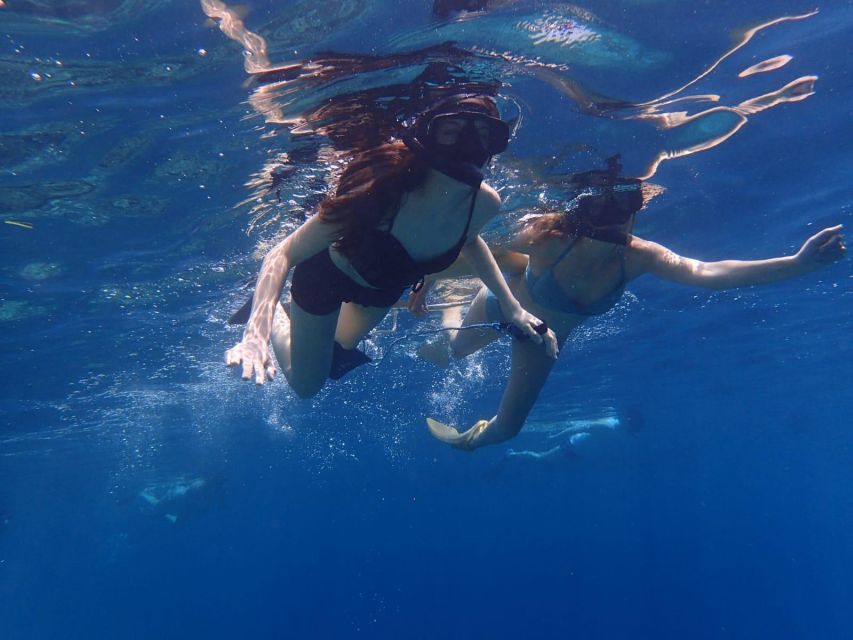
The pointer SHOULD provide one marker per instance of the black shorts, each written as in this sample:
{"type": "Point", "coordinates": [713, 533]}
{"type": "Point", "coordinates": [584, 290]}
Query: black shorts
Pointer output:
{"type": "Point", "coordinates": [319, 287]}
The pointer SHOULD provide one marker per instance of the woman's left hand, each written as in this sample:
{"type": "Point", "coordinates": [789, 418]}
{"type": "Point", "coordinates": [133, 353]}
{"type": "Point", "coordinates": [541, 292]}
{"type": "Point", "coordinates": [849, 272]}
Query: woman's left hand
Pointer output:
{"type": "Point", "coordinates": [822, 248]}
{"type": "Point", "coordinates": [532, 326]}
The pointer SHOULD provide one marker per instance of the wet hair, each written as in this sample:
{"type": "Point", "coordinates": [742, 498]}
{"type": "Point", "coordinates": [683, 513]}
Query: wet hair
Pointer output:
{"type": "Point", "coordinates": [371, 186]}
{"type": "Point", "coordinates": [374, 182]}
{"type": "Point", "coordinates": [543, 224]}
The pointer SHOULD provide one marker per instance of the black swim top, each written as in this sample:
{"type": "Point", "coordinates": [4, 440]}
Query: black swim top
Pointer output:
{"type": "Point", "coordinates": [383, 262]}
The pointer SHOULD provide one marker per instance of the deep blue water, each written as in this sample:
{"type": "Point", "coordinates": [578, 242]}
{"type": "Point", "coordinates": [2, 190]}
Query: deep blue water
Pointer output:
{"type": "Point", "coordinates": [126, 142]}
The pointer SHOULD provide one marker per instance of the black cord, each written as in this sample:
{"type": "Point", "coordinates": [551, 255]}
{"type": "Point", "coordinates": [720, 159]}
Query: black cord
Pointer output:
{"type": "Point", "coordinates": [497, 326]}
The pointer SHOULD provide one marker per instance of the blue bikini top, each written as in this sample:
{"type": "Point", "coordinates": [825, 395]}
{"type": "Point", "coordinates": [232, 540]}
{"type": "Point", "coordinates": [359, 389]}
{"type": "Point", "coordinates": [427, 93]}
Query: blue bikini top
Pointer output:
{"type": "Point", "coordinates": [546, 292]}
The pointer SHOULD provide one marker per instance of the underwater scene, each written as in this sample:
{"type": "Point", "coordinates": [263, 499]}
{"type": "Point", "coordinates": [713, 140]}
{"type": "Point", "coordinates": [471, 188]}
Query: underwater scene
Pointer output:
{"type": "Point", "coordinates": [426, 319]}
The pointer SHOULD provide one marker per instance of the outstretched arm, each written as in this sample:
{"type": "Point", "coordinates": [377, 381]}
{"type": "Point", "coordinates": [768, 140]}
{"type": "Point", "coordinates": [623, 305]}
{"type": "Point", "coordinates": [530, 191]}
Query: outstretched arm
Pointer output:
{"type": "Point", "coordinates": [821, 249]}
{"type": "Point", "coordinates": [253, 350]}
{"type": "Point", "coordinates": [481, 260]}
{"type": "Point", "coordinates": [509, 262]}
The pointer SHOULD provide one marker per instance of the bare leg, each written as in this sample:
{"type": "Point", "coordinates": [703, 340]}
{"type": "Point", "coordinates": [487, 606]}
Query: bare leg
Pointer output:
{"type": "Point", "coordinates": [303, 346]}
{"type": "Point", "coordinates": [355, 322]}
{"type": "Point", "coordinates": [464, 343]}
{"type": "Point", "coordinates": [528, 373]}
{"type": "Point", "coordinates": [460, 343]}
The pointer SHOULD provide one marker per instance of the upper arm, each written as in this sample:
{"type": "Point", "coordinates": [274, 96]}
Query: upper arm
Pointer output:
{"type": "Point", "coordinates": [309, 239]}
{"type": "Point", "coordinates": [510, 262]}
{"type": "Point", "coordinates": [487, 207]}
{"type": "Point", "coordinates": [666, 264]}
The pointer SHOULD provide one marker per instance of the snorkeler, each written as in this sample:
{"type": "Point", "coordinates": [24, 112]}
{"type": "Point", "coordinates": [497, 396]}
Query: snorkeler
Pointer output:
{"type": "Point", "coordinates": [568, 267]}
{"type": "Point", "coordinates": [402, 210]}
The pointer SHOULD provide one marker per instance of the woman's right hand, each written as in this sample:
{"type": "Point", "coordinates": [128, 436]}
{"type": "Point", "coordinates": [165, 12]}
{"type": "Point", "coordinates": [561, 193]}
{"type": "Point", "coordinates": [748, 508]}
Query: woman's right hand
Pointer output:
{"type": "Point", "coordinates": [533, 329]}
{"type": "Point", "coordinates": [822, 248]}
{"type": "Point", "coordinates": [254, 354]}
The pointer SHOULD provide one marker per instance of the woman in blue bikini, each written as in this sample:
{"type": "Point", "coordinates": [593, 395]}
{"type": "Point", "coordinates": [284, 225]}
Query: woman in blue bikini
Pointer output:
{"type": "Point", "coordinates": [567, 267]}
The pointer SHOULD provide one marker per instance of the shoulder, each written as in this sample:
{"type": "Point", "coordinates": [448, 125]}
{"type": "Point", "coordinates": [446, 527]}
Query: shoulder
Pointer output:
{"type": "Point", "coordinates": [643, 248]}
{"type": "Point", "coordinates": [647, 256]}
{"type": "Point", "coordinates": [488, 201]}
{"type": "Point", "coordinates": [642, 254]}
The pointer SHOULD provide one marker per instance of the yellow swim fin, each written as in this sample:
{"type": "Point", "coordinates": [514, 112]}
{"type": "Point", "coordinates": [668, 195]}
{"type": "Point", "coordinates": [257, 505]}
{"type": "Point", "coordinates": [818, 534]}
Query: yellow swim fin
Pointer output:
{"type": "Point", "coordinates": [444, 432]}
{"type": "Point", "coordinates": [451, 435]}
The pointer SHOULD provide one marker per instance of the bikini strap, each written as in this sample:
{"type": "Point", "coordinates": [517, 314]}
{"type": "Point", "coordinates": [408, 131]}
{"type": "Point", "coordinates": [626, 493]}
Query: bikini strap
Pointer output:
{"type": "Point", "coordinates": [565, 252]}
{"type": "Point", "coordinates": [470, 214]}
{"type": "Point", "coordinates": [393, 219]}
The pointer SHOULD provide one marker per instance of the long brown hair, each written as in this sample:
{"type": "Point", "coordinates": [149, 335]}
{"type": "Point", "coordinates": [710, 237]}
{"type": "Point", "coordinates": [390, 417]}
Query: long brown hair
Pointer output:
{"type": "Point", "coordinates": [371, 186]}
{"type": "Point", "coordinates": [543, 224]}
{"type": "Point", "coordinates": [373, 183]}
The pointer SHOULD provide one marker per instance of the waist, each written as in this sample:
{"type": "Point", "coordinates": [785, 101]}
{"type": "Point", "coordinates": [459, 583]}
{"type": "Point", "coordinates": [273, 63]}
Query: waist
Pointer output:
{"type": "Point", "coordinates": [348, 268]}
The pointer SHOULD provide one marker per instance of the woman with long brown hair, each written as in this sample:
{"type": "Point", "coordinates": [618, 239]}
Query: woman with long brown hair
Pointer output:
{"type": "Point", "coordinates": [402, 210]}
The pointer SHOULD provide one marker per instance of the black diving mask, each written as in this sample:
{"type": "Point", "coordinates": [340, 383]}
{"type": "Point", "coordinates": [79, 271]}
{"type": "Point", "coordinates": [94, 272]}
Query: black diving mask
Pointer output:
{"type": "Point", "coordinates": [611, 205]}
{"type": "Point", "coordinates": [470, 138]}
{"type": "Point", "coordinates": [481, 136]}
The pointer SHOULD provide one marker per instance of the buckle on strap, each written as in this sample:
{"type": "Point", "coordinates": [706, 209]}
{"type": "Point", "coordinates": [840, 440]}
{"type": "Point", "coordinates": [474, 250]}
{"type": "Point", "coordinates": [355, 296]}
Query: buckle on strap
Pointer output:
{"type": "Point", "coordinates": [418, 285]}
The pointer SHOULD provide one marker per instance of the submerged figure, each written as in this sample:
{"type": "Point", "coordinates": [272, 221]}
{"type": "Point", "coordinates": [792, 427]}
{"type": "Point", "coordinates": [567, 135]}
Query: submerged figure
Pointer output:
{"type": "Point", "coordinates": [568, 267]}
{"type": "Point", "coordinates": [579, 431]}
{"type": "Point", "coordinates": [179, 497]}
{"type": "Point", "coordinates": [402, 210]}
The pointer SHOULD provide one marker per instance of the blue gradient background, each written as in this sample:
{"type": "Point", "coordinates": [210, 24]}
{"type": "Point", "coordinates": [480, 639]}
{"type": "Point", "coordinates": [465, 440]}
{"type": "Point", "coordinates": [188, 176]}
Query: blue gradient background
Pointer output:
{"type": "Point", "coordinates": [727, 516]}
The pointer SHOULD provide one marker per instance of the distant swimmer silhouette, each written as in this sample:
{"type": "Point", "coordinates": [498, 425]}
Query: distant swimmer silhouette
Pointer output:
{"type": "Point", "coordinates": [576, 432]}
{"type": "Point", "coordinates": [175, 498]}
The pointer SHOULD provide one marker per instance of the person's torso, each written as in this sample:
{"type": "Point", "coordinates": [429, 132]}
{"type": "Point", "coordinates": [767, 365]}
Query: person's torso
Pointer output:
{"type": "Point", "coordinates": [574, 283]}
{"type": "Point", "coordinates": [423, 236]}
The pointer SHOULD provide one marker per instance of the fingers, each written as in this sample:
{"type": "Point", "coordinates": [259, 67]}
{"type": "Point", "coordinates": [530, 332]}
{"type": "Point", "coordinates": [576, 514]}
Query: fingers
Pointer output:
{"type": "Point", "coordinates": [257, 364]}
{"type": "Point", "coordinates": [551, 345]}
{"type": "Point", "coordinates": [232, 358]}
{"type": "Point", "coordinates": [825, 234]}
{"type": "Point", "coordinates": [532, 333]}
{"type": "Point", "coordinates": [833, 248]}
{"type": "Point", "coordinates": [417, 307]}
{"type": "Point", "coordinates": [528, 324]}
{"type": "Point", "coordinates": [247, 369]}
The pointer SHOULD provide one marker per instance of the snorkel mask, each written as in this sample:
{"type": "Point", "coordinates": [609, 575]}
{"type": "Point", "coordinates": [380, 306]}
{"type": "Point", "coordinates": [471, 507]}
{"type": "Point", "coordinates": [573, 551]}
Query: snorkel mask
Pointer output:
{"type": "Point", "coordinates": [481, 136]}
{"type": "Point", "coordinates": [605, 200]}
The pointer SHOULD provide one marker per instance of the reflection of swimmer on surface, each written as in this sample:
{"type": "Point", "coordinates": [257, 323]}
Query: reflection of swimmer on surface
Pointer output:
{"type": "Point", "coordinates": [179, 497]}
{"type": "Point", "coordinates": [566, 267]}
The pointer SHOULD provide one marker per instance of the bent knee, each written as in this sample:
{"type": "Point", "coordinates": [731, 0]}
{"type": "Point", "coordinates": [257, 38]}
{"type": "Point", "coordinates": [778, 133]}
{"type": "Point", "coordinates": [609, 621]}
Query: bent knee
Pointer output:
{"type": "Point", "coordinates": [347, 344]}
{"type": "Point", "coordinates": [469, 340]}
{"type": "Point", "coordinates": [457, 352]}
{"type": "Point", "coordinates": [306, 389]}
